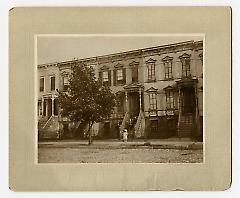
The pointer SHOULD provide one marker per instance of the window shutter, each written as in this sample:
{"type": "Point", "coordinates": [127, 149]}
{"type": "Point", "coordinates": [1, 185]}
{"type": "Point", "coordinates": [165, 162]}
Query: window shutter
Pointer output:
{"type": "Point", "coordinates": [114, 77]}
{"type": "Point", "coordinates": [109, 78]}
{"type": "Point", "coordinates": [124, 75]}
{"type": "Point", "coordinates": [100, 77]}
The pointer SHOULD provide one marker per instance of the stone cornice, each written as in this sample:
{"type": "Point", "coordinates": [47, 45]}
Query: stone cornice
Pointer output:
{"type": "Point", "coordinates": [48, 65]}
{"type": "Point", "coordinates": [110, 58]}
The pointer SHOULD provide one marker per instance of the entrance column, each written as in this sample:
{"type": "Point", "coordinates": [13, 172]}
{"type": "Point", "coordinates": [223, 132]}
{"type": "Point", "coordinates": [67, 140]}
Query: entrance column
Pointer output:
{"type": "Point", "coordinates": [47, 101]}
{"type": "Point", "coordinates": [140, 100]}
{"type": "Point", "coordinates": [42, 106]}
{"type": "Point", "coordinates": [179, 108]}
{"type": "Point", "coordinates": [52, 105]}
{"type": "Point", "coordinates": [180, 101]}
{"type": "Point", "coordinates": [126, 100]}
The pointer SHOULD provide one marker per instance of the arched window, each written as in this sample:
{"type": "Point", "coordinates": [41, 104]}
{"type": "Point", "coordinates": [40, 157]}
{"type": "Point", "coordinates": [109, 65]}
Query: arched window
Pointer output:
{"type": "Point", "coordinates": [105, 76]}
{"type": "Point", "coordinates": [152, 93]}
{"type": "Point", "coordinates": [151, 69]}
{"type": "Point", "coordinates": [167, 62]}
{"type": "Point", "coordinates": [185, 59]}
{"type": "Point", "coordinates": [119, 75]}
{"type": "Point", "coordinates": [169, 97]}
{"type": "Point", "coordinates": [152, 101]}
{"type": "Point", "coordinates": [134, 68]}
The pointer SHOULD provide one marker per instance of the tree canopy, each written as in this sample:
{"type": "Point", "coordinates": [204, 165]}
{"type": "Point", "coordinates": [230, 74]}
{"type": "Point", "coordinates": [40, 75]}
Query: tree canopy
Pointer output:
{"type": "Point", "coordinates": [86, 99]}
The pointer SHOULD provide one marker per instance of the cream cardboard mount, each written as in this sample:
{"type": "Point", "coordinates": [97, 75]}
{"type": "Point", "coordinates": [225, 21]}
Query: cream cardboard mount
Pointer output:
{"type": "Point", "coordinates": [25, 174]}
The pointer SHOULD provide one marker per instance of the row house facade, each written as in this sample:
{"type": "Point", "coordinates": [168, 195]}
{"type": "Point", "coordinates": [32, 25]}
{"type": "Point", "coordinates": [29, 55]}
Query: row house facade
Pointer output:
{"type": "Point", "coordinates": [159, 93]}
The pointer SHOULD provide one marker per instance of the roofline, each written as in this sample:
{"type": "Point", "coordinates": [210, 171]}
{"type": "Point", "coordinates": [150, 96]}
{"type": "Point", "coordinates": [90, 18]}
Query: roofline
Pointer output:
{"type": "Point", "coordinates": [113, 55]}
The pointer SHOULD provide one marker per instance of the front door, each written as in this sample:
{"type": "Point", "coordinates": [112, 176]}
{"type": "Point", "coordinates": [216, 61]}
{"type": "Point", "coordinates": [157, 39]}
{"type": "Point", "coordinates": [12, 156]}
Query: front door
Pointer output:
{"type": "Point", "coordinates": [188, 100]}
{"type": "Point", "coordinates": [134, 104]}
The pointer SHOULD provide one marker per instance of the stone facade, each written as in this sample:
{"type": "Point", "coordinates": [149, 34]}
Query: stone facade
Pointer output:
{"type": "Point", "coordinates": [159, 91]}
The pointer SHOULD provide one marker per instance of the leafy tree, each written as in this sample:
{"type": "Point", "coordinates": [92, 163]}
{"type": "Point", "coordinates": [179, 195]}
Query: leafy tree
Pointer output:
{"type": "Point", "coordinates": [86, 99]}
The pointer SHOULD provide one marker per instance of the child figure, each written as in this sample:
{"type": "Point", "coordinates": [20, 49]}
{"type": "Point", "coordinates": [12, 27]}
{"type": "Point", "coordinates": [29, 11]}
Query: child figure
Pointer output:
{"type": "Point", "coordinates": [125, 135]}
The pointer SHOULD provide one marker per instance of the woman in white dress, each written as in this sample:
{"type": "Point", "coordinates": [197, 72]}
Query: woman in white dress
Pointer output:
{"type": "Point", "coordinates": [125, 135]}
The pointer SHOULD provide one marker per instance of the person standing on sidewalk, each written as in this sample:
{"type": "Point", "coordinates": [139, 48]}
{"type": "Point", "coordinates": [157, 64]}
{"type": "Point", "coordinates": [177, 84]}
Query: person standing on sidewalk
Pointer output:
{"type": "Point", "coordinates": [125, 135]}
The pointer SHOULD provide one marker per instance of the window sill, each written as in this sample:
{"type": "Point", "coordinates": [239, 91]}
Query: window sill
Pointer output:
{"type": "Point", "coordinates": [153, 80]}
{"type": "Point", "coordinates": [168, 79]}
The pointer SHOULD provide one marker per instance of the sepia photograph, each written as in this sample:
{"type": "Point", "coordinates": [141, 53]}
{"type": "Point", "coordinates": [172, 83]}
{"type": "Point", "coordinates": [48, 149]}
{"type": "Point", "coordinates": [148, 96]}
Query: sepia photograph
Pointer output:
{"type": "Point", "coordinates": [120, 98]}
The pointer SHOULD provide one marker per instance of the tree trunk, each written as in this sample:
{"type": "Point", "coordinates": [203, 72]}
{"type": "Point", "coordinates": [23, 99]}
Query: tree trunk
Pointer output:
{"type": "Point", "coordinates": [90, 133]}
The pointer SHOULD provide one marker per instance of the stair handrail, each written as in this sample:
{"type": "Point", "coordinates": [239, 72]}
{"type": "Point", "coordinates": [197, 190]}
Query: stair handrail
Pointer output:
{"type": "Point", "coordinates": [136, 127]}
{"type": "Point", "coordinates": [139, 122]}
{"type": "Point", "coordinates": [47, 121]}
{"type": "Point", "coordinates": [125, 118]}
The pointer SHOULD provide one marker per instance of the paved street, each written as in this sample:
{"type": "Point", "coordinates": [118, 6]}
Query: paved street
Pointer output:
{"type": "Point", "coordinates": [152, 151]}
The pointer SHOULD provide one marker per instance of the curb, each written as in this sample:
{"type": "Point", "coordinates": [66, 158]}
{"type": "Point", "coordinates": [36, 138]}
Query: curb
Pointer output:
{"type": "Point", "coordinates": [192, 146]}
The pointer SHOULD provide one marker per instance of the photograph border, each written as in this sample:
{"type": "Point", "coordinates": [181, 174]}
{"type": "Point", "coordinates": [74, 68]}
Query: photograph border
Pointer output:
{"type": "Point", "coordinates": [112, 35]}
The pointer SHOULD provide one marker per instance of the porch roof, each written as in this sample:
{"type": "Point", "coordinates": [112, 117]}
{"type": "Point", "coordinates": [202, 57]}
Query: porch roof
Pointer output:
{"type": "Point", "coordinates": [134, 87]}
{"type": "Point", "coordinates": [186, 82]}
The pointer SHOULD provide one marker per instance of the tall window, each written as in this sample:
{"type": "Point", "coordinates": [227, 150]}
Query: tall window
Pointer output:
{"type": "Point", "coordinates": [41, 84]}
{"type": "Point", "coordinates": [185, 59]}
{"type": "Point", "coordinates": [186, 67]}
{"type": "Point", "coordinates": [65, 83]}
{"type": "Point", "coordinates": [167, 61]}
{"type": "Point", "coordinates": [119, 75]}
{"type": "Point", "coordinates": [52, 83]}
{"type": "Point", "coordinates": [169, 99]}
{"type": "Point", "coordinates": [152, 101]}
{"type": "Point", "coordinates": [151, 71]}
{"type": "Point", "coordinates": [135, 74]}
{"type": "Point", "coordinates": [105, 76]}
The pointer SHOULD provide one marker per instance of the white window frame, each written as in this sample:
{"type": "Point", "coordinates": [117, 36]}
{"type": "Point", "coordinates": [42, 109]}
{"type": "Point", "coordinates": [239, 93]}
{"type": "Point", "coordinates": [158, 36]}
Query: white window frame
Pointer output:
{"type": "Point", "coordinates": [151, 71]}
{"type": "Point", "coordinates": [170, 99]}
{"type": "Point", "coordinates": [153, 101]}
{"type": "Point", "coordinates": [168, 69]}
{"type": "Point", "coordinates": [105, 76]}
{"type": "Point", "coordinates": [119, 74]}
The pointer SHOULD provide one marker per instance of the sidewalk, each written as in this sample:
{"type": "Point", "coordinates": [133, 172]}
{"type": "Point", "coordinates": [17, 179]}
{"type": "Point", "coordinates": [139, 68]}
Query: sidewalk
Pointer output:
{"type": "Point", "coordinates": [171, 143]}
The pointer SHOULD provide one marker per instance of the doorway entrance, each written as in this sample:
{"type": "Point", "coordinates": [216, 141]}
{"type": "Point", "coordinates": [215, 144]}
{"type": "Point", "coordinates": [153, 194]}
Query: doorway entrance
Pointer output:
{"type": "Point", "coordinates": [188, 100]}
{"type": "Point", "coordinates": [134, 103]}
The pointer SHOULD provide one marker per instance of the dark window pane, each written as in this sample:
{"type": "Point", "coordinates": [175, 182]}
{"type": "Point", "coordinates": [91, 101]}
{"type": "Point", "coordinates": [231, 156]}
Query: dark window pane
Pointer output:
{"type": "Point", "coordinates": [41, 84]}
{"type": "Point", "coordinates": [135, 74]}
{"type": "Point", "coordinates": [52, 83]}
